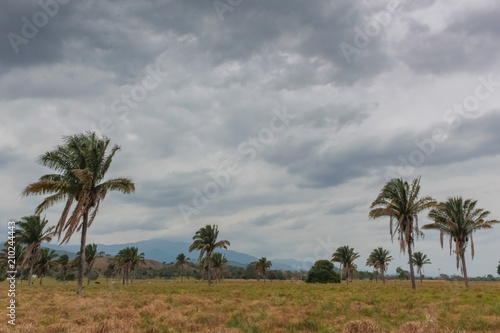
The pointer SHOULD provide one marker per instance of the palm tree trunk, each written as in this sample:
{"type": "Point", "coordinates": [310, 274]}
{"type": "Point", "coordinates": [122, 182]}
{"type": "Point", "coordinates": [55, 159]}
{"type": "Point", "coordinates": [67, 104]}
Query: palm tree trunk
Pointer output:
{"type": "Point", "coordinates": [81, 262]}
{"type": "Point", "coordinates": [30, 273]}
{"type": "Point", "coordinates": [412, 273]}
{"type": "Point", "coordinates": [383, 276]}
{"type": "Point", "coordinates": [421, 276]}
{"type": "Point", "coordinates": [41, 278]}
{"type": "Point", "coordinates": [465, 271]}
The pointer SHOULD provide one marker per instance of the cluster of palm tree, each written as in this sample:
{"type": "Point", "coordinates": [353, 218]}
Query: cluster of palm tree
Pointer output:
{"type": "Point", "coordinates": [457, 218]}
{"type": "Point", "coordinates": [379, 259]}
{"type": "Point", "coordinates": [126, 261]}
{"type": "Point", "coordinates": [181, 262]}
{"type": "Point", "coordinates": [345, 255]}
{"type": "Point", "coordinates": [205, 241]}
{"type": "Point", "coordinates": [80, 166]}
{"type": "Point", "coordinates": [91, 255]}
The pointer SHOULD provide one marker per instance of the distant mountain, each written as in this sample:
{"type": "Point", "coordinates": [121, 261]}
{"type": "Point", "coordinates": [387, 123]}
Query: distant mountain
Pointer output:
{"type": "Point", "coordinates": [163, 250]}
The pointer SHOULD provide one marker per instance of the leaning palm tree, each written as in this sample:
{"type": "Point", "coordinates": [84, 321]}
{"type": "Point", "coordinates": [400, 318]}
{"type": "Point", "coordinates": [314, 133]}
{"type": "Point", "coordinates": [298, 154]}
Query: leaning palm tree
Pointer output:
{"type": "Point", "coordinates": [261, 266]}
{"type": "Point", "coordinates": [401, 202]}
{"type": "Point", "coordinates": [379, 258]}
{"type": "Point", "coordinates": [419, 260]}
{"type": "Point", "coordinates": [345, 255]}
{"type": "Point", "coordinates": [205, 240]}
{"type": "Point", "coordinates": [45, 262]}
{"type": "Point", "coordinates": [219, 261]}
{"type": "Point", "coordinates": [181, 262]}
{"type": "Point", "coordinates": [81, 165]}
{"type": "Point", "coordinates": [459, 219]}
{"type": "Point", "coordinates": [91, 255]}
{"type": "Point", "coordinates": [32, 232]}
{"type": "Point", "coordinates": [64, 264]}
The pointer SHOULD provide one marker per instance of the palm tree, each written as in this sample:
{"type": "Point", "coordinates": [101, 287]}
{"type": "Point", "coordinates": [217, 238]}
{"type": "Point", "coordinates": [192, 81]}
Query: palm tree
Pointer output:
{"type": "Point", "coordinates": [419, 260]}
{"type": "Point", "coordinates": [15, 253]}
{"type": "Point", "coordinates": [45, 262]}
{"type": "Point", "coordinates": [32, 232]}
{"type": "Point", "coordinates": [459, 219]}
{"type": "Point", "coordinates": [205, 240]}
{"type": "Point", "coordinates": [181, 262]}
{"type": "Point", "coordinates": [218, 262]}
{"type": "Point", "coordinates": [345, 255]}
{"type": "Point", "coordinates": [81, 163]}
{"type": "Point", "coordinates": [261, 266]}
{"type": "Point", "coordinates": [64, 263]}
{"type": "Point", "coordinates": [127, 260]}
{"type": "Point", "coordinates": [379, 258]}
{"type": "Point", "coordinates": [91, 255]}
{"type": "Point", "coordinates": [400, 201]}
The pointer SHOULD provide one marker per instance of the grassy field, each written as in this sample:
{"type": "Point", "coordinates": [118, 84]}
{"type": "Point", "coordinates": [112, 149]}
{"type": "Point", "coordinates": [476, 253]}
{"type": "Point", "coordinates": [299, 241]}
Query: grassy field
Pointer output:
{"type": "Point", "coordinates": [248, 306]}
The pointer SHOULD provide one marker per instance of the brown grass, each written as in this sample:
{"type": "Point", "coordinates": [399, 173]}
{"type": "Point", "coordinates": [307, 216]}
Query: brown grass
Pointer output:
{"type": "Point", "coordinates": [158, 306]}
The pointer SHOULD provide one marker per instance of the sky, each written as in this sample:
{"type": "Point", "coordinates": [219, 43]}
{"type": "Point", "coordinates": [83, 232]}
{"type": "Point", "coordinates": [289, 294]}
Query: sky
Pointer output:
{"type": "Point", "coordinates": [279, 121]}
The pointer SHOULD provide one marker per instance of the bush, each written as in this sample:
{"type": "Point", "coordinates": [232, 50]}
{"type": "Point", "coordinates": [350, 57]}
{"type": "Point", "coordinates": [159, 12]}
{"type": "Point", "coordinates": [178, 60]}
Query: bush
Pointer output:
{"type": "Point", "coordinates": [322, 272]}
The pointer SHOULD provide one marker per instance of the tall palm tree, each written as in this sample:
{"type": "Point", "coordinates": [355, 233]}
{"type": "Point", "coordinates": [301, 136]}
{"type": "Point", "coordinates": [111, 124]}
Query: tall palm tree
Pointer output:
{"type": "Point", "coordinates": [345, 255]}
{"type": "Point", "coordinates": [459, 219]}
{"type": "Point", "coordinates": [127, 260]}
{"type": "Point", "coordinates": [205, 240]}
{"type": "Point", "coordinates": [218, 262]}
{"type": "Point", "coordinates": [181, 262]}
{"type": "Point", "coordinates": [64, 264]}
{"type": "Point", "coordinates": [81, 164]}
{"type": "Point", "coordinates": [379, 258]}
{"type": "Point", "coordinates": [45, 262]}
{"type": "Point", "coordinates": [91, 255]}
{"type": "Point", "coordinates": [419, 260]}
{"type": "Point", "coordinates": [261, 266]}
{"type": "Point", "coordinates": [401, 202]}
{"type": "Point", "coordinates": [32, 232]}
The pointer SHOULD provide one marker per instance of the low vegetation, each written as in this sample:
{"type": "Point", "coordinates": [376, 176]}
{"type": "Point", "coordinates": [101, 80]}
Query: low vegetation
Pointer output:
{"type": "Point", "coordinates": [248, 306]}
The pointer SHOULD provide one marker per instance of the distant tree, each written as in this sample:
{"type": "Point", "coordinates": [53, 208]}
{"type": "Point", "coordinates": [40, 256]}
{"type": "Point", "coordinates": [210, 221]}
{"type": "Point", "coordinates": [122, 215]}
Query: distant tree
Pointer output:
{"type": "Point", "coordinates": [401, 202]}
{"type": "Point", "coordinates": [379, 258]}
{"type": "Point", "coordinates": [498, 268]}
{"type": "Point", "coordinates": [45, 262]}
{"type": "Point", "coordinates": [261, 266]}
{"type": "Point", "coordinates": [322, 272]}
{"type": "Point", "coordinates": [32, 232]}
{"type": "Point", "coordinates": [64, 264]}
{"type": "Point", "coordinates": [345, 255]}
{"type": "Point", "coordinates": [419, 260]}
{"type": "Point", "coordinates": [126, 262]}
{"type": "Point", "coordinates": [205, 240]}
{"type": "Point", "coordinates": [250, 272]}
{"type": "Point", "coordinates": [219, 261]}
{"type": "Point", "coordinates": [402, 274]}
{"type": "Point", "coordinates": [459, 219]}
{"type": "Point", "coordinates": [181, 262]}
{"type": "Point", "coordinates": [91, 255]}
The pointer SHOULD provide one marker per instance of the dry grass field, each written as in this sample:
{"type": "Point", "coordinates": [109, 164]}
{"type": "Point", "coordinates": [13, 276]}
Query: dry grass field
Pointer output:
{"type": "Point", "coordinates": [248, 306]}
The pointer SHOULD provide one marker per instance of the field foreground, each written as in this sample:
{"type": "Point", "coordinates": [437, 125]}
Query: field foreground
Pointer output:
{"type": "Point", "coordinates": [250, 306]}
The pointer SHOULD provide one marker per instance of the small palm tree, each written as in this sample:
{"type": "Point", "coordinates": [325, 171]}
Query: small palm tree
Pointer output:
{"type": "Point", "coordinates": [18, 255]}
{"type": "Point", "coordinates": [81, 165]}
{"type": "Point", "coordinates": [345, 255]}
{"type": "Point", "coordinates": [205, 240]}
{"type": "Point", "coordinates": [32, 232]}
{"type": "Point", "coordinates": [401, 202]}
{"type": "Point", "coordinates": [218, 263]}
{"type": "Point", "coordinates": [419, 260]}
{"type": "Point", "coordinates": [181, 262]}
{"type": "Point", "coordinates": [379, 258]}
{"type": "Point", "coordinates": [459, 219]}
{"type": "Point", "coordinates": [64, 264]}
{"type": "Point", "coordinates": [45, 262]}
{"type": "Point", "coordinates": [127, 260]}
{"type": "Point", "coordinates": [91, 255]}
{"type": "Point", "coordinates": [261, 266]}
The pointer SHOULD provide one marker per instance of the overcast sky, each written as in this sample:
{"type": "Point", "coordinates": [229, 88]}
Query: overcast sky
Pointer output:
{"type": "Point", "coordinates": [280, 121]}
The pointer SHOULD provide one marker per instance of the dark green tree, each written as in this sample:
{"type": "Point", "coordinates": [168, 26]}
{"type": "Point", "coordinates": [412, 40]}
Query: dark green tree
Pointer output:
{"type": "Point", "coordinates": [322, 272]}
